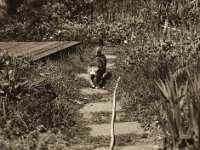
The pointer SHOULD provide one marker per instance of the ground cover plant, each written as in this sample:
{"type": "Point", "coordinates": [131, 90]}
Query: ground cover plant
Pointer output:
{"type": "Point", "coordinates": [36, 110]}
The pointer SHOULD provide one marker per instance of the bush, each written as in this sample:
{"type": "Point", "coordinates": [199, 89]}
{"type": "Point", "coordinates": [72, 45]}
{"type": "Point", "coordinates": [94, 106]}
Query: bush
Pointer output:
{"type": "Point", "coordinates": [30, 102]}
{"type": "Point", "coordinates": [153, 60]}
{"type": "Point", "coordinates": [36, 20]}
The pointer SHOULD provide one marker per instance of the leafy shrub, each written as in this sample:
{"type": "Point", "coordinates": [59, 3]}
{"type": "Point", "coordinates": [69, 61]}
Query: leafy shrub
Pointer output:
{"type": "Point", "coordinates": [14, 72]}
{"type": "Point", "coordinates": [30, 102]}
{"type": "Point", "coordinates": [153, 61]}
{"type": "Point", "coordinates": [36, 20]}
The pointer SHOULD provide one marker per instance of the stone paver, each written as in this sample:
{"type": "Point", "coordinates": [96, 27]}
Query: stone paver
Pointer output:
{"type": "Point", "coordinates": [111, 57]}
{"type": "Point", "coordinates": [87, 116]}
{"type": "Point", "coordinates": [90, 91]}
{"type": "Point", "coordinates": [99, 107]}
{"type": "Point", "coordinates": [121, 128]}
{"type": "Point", "coordinates": [111, 66]}
{"type": "Point", "coordinates": [103, 117]}
{"type": "Point", "coordinates": [80, 147]}
{"type": "Point", "coordinates": [132, 147]}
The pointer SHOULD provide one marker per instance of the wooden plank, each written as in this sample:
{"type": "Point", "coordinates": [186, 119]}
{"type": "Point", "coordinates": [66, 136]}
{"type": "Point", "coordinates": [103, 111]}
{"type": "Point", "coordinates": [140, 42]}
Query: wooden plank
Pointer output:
{"type": "Point", "coordinates": [7, 45]}
{"type": "Point", "coordinates": [50, 47]}
{"type": "Point", "coordinates": [39, 46]}
{"type": "Point", "coordinates": [36, 50]}
{"type": "Point", "coordinates": [19, 47]}
{"type": "Point", "coordinates": [61, 46]}
{"type": "Point", "coordinates": [28, 46]}
{"type": "Point", "coordinates": [54, 50]}
{"type": "Point", "coordinates": [31, 47]}
{"type": "Point", "coordinates": [4, 45]}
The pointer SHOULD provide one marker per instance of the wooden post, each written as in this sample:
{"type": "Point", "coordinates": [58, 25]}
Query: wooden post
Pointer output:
{"type": "Point", "coordinates": [112, 143]}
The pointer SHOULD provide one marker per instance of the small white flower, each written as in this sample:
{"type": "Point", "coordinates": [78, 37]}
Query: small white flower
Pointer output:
{"type": "Point", "coordinates": [125, 41]}
{"type": "Point", "coordinates": [7, 62]}
{"type": "Point", "coordinates": [59, 31]}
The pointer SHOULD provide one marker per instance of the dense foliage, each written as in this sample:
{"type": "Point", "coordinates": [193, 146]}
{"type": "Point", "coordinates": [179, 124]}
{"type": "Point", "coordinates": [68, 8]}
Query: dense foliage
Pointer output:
{"type": "Point", "coordinates": [31, 104]}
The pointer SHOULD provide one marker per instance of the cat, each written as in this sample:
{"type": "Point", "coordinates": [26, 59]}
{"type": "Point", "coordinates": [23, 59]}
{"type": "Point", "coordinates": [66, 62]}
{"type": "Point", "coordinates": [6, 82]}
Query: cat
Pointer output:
{"type": "Point", "coordinates": [97, 69]}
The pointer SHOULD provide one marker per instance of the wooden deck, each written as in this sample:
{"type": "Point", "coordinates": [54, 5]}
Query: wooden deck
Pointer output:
{"type": "Point", "coordinates": [36, 50]}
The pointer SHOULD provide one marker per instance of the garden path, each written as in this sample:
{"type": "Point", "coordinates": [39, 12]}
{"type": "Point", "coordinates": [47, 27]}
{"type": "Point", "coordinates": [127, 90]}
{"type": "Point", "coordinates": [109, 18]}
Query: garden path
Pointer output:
{"type": "Point", "coordinates": [95, 113]}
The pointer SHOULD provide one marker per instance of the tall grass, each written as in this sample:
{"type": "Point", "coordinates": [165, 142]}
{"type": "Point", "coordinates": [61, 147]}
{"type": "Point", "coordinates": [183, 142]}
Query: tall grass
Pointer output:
{"type": "Point", "coordinates": [181, 116]}
{"type": "Point", "coordinates": [194, 108]}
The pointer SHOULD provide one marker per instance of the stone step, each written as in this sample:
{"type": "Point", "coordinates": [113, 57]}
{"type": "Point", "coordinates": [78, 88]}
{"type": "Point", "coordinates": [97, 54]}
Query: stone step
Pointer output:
{"type": "Point", "coordinates": [91, 91]}
{"type": "Point", "coordinates": [111, 66]}
{"type": "Point", "coordinates": [99, 107]}
{"type": "Point", "coordinates": [133, 147]}
{"type": "Point", "coordinates": [82, 147]}
{"type": "Point", "coordinates": [103, 117]}
{"type": "Point", "coordinates": [121, 128]}
{"type": "Point", "coordinates": [120, 140]}
{"type": "Point", "coordinates": [111, 56]}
